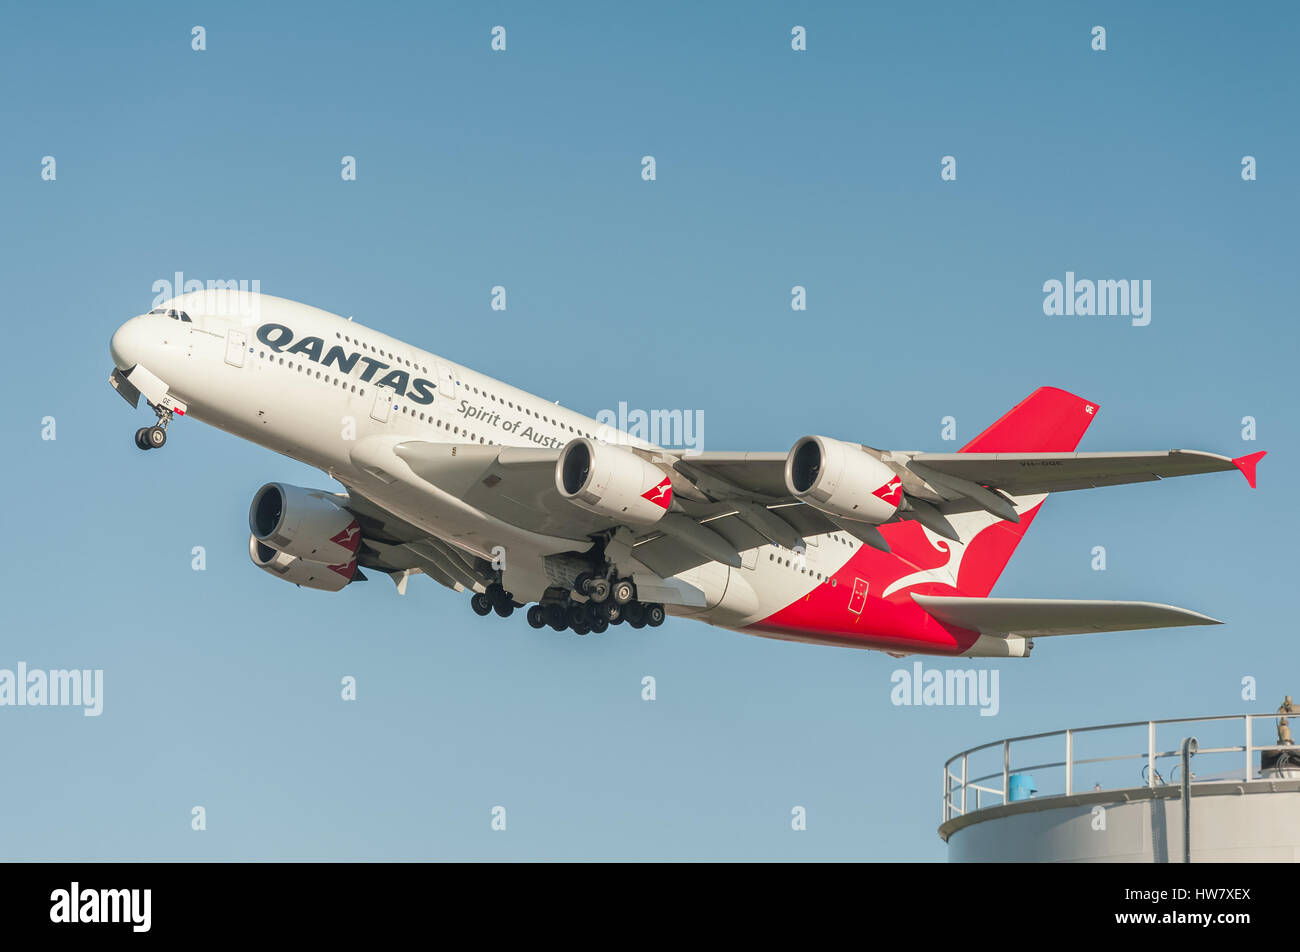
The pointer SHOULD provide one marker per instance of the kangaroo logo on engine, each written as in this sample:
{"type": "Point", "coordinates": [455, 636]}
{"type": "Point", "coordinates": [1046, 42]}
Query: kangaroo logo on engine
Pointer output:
{"type": "Point", "coordinates": [661, 495]}
{"type": "Point", "coordinates": [891, 492]}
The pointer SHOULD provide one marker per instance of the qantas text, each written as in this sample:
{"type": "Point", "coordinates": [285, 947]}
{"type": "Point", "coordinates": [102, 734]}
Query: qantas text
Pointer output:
{"type": "Point", "coordinates": [277, 338]}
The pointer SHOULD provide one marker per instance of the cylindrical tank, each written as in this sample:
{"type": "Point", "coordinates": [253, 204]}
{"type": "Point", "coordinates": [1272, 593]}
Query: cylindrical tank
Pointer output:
{"type": "Point", "coordinates": [1242, 798]}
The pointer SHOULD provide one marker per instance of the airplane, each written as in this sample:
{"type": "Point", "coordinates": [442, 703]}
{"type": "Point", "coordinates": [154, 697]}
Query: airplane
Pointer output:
{"type": "Point", "coordinates": [490, 490]}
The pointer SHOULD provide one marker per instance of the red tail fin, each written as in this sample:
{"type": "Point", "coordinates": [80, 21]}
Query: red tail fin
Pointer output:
{"type": "Point", "coordinates": [1047, 421]}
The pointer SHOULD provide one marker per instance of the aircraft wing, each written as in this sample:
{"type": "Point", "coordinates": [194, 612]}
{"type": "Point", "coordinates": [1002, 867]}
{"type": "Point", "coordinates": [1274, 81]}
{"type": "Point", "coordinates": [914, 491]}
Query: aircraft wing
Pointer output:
{"type": "Point", "coordinates": [517, 485]}
{"type": "Point", "coordinates": [963, 482]}
{"type": "Point", "coordinates": [1042, 617]}
{"type": "Point", "coordinates": [391, 544]}
{"type": "Point", "coordinates": [727, 503]}
{"type": "Point", "coordinates": [1022, 474]}
{"type": "Point", "coordinates": [513, 483]}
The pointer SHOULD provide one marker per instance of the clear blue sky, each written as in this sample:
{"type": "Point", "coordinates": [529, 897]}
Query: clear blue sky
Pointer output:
{"type": "Point", "coordinates": [522, 168]}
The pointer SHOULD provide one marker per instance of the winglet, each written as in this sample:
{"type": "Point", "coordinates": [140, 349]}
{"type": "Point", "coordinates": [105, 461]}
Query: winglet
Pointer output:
{"type": "Point", "coordinates": [1247, 465]}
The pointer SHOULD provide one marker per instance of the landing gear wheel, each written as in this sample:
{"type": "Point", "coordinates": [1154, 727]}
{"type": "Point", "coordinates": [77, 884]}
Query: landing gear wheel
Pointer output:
{"type": "Point", "coordinates": [536, 616]}
{"type": "Point", "coordinates": [623, 591]}
{"type": "Point", "coordinates": [555, 617]}
{"type": "Point", "coordinates": [635, 614]}
{"type": "Point", "coordinates": [481, 604]}
{"type": "Point", "coordinates": [154, 437]}
{"type": "Point", "coordinates": [654, 615]}
{"type": "Point", "coordinates": [576, 615]}
{"type": "Point", "coordinates": [580, 629]}
{"type": "Point", "coordinates": [599, 625]}
{"type": "Point", "coordinates": [598, 589]}
{"type": "Point", "coordinates": [500, 599]}
{"type": "Point", "coordinates": [613, 612]}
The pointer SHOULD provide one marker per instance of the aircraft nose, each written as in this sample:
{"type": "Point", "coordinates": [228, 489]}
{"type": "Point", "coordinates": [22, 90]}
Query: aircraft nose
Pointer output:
{"type": "Point", "coordinates": [128, 343]}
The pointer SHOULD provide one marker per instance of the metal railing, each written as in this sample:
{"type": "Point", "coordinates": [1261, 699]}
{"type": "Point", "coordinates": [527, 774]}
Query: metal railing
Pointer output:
{"type": "Point", "coordinates": [964, 793]}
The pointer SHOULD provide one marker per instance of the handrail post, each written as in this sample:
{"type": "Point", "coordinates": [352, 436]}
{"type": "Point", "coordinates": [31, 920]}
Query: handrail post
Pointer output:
{"type": "Point", "coordinates": [1188, 749]}
{"type": "Point", "coordinates": [946, 800]}
{"type": "Point", "coordinates": [1249, 746]}
{"type": "Point", "coordinates": [1151, 754]}
{"type": "Point", "coordinates": [963, 784]}
{"type": "Point", "coordinates": [1069, 762]}
{"type": "Point", "coordinates": [1006, 769]}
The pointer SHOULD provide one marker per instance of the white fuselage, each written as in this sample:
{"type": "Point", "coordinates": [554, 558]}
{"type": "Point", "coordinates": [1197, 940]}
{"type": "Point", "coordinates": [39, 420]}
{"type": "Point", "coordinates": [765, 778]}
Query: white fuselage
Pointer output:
{"type": "Point", "coordinates": [338, 396]}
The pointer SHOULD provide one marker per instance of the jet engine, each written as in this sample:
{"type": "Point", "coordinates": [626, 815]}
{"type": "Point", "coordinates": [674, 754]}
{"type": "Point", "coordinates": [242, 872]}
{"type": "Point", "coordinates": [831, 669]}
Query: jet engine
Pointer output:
{"type": "Point", "coordinates": [612, 481]}
{"type": "Point", "coordinates": [317, 575]}
{"type": "Point", "coordinates": [307, 523]}
{"type": "Point", "coordinates": [843, 480]}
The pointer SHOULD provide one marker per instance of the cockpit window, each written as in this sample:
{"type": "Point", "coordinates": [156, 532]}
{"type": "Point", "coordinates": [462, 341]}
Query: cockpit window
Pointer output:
{"type": "Point", "coordinates": [173, 314]}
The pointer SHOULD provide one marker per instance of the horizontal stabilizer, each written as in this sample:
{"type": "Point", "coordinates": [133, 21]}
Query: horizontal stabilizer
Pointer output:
{"type": "Point", "coordinates": [1041, 617]}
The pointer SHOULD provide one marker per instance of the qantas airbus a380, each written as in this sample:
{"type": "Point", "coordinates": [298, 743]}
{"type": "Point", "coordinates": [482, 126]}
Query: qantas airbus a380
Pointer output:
{"type": "Point", "coordinates": [483, 487]}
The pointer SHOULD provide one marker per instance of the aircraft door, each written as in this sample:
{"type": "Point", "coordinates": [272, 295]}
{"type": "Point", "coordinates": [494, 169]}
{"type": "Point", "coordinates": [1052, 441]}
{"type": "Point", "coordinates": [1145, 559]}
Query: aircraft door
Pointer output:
{"type": "Point", "coordinates": [236, 347]}
{"type": "Point", "coordinates": [446, 383]}
{"type": "Point", "coordinates": [383, 405]}
{"type": "Point", "coordinates": [859, 597]}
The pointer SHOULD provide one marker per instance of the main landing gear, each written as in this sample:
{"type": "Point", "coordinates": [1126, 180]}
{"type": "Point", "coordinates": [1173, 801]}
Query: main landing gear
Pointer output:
{"type": "Point", "coordinates": [607, 603]}
{"type": "Point", "coordinates": [584, 618]}
{"type": "Point", "coordinates": [495, 598]}
{"type": "Point", "coordinates": [594, 604]}
{"type": "Point", "coordinates": [154, 437]}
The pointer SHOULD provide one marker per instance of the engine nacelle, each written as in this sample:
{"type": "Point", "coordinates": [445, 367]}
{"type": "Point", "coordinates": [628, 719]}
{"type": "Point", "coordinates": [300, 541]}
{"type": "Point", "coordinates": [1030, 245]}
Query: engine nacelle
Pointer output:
{"type": "Point", "coordinates": [843, 480]}
{"type": "Point", "coordinates": [612, 481]}
{"type": "Point", "coordinates": [307, 523]}
{"type": "Point", "coordinates": [317, 575]}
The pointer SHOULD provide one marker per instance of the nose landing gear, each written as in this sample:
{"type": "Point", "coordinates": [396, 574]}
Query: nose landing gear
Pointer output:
{"type": "Point", "coordinates": [151, 438]}
{"type": "Point", "coordinates": [154, 437]}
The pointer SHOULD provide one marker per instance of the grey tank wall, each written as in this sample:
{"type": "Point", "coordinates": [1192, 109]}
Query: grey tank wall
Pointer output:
{"type": "Point", "coordinates": [1231, 822]}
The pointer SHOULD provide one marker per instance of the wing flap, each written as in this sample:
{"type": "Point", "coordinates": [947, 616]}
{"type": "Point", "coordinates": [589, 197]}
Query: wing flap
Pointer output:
{"type": "Point", "coordinates": [744, 475]}
{"type": "Point", "coordinates": [1044, 617]}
